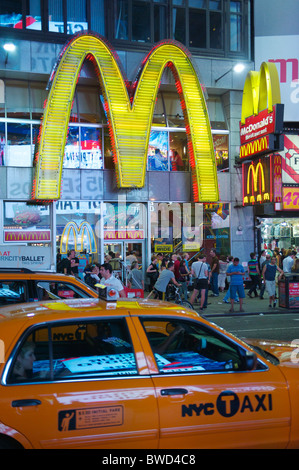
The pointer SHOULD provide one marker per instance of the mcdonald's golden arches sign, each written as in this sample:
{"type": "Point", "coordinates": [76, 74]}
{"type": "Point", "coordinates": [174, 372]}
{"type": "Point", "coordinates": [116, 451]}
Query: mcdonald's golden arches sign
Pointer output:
{"type": "Point", "coordinates": [129, 112]}
{"type": "Point", "coordinates": [261, 180]}
{"type": "Point", "coordinates": [261, 123]}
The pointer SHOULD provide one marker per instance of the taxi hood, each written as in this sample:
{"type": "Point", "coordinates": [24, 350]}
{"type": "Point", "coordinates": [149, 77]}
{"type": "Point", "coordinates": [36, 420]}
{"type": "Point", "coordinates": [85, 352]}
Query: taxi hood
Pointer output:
{"type": "Point", "coordinates": [285, 351]}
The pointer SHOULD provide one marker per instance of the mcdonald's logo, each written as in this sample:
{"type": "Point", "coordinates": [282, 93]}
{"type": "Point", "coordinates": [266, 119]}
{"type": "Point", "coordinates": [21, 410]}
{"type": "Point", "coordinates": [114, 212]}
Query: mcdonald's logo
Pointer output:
{"type": "Point", "coordinates": [261, 91]}
{"type": "Point", "coordinates": [256, 187]}
{"type": "Point", "coordinates": [129, 111]}
{"type": "Point", "coordinates": [27, 235]}
{"type": "Point", "coordinates": [256, 147]}
{"type": "Point", "coordinates": [82, 237]}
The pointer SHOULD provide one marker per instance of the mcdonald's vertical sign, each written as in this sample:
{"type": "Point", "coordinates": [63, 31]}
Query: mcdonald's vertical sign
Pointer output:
{"type": "Point", "coordinates": [261, 123]}
{"type": "Point", "coordinates": [261, 136]}
{"type": "Point", "coordinates": [129, 112]}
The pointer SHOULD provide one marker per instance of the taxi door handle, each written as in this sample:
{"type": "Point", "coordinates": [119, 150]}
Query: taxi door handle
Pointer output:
{"type": "Point", "coordinates": [174, 391]}
{"type": "Point", "coordinates": [21, 403]}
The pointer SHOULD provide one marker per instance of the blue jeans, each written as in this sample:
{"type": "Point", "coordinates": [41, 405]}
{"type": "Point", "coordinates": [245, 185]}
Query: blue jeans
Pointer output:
{"type": "Point", "coordinates": [227, 296]}
{"type": "Point", "coordinates": [214, 283]}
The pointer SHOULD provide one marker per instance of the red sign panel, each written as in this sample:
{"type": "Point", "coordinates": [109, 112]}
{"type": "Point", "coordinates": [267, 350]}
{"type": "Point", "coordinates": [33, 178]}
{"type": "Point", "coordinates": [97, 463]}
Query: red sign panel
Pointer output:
{"type": "Point", "coordinates": [261, 180]}
{"type": "Point", "coordinates": [264, 123]}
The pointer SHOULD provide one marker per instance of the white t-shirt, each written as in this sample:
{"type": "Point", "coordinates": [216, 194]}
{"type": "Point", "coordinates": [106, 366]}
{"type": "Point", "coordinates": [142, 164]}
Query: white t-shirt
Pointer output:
{"type": "Point", "coordinates": [200, 268]}
{"type": "Point", "coordinates": [112, 281]}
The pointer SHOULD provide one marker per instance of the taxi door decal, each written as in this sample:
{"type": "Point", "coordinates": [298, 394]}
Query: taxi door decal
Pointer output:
{"type": "Point", "coordinates": [88, 418]}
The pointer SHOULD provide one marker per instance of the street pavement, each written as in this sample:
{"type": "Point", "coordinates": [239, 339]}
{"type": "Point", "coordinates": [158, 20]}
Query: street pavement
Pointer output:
{"type": "Point", "coordinates": [252, 306]}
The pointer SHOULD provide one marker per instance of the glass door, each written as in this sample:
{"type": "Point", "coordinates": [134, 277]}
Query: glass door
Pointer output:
{"type": "Point", "coordinates": [122, 254]}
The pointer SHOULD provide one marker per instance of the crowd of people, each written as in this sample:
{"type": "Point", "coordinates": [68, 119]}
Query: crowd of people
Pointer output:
{"type": "Point", "coordinates": [194, 276]}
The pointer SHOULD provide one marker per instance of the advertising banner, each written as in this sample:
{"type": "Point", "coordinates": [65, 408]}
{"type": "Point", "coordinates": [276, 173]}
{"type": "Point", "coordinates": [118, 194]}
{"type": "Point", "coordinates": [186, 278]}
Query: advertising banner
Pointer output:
{"type": "Point", "coordinates": [290, 160]}
{"type": "Point", "coordinates": [30, 257]}
{"type": "Point", "coordinates": [283, 51]}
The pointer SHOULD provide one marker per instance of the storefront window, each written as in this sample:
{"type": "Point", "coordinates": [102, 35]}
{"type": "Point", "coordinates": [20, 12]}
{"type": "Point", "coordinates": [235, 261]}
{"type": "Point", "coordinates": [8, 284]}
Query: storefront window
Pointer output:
{"type": "Point", "coordinates": [190, 227]}
{"type": "Point", "coordinates": [179, 24]}
{"type": "Point", "coordinates": [33, 15]}
{"type": "Point", "coordinates": [217, 228]}
{"type": "Point", "coordinates": [88, 107]}
{"type": "Point", "coordinates": [38, 95]}
{"type": "Point", "coordinates": [97, 16]}
{"type": "Point", "coordinates": [158, 151]}
{"type": "Point", "coordinates": [56, 22]}
{"type": "Point", "coordinates": [71, 151]}
{"type": "Point", "coordinates": [2, 143]}
{"type": "Point", "coordinates": [91, 148]}
{"type": "Point", "coordinates": [17, 99]}
{"type": "Point", "coordinates": [235, 25]}
{"type": "Point", "coordinates": [197, 28]}
{"type": "Point", "coordinates": [77, 228]}
{"type": "Point", "coordinates": [11, 14]}
{"type": "Point", "coordinates": [140, 22]}
{"type": "Point", "coordinates": [179, 156]}
{"type": "Point", "coordinates": [279, 233]}
{"type": "Point", "coordinates": [176, 227]}
{"type": "Point", "coordinates": [221, 151]}
{"type": "Point", "coordinates": [108, 153]}
{"type": "Point", "coordinates": [121, 20]}
{"type": "Point", "coordinates": [26, 224]}
{"type": "Point", "coordinates": [18, 150]}
{"type": "Point", "coordinates": [76, 16]}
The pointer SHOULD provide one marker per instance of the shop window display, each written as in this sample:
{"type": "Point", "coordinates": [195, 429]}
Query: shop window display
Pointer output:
{"type": "Point", "coordinates": [217, 228]}
{"type": "Point", "coordinates": [91, 148]}
{"type": "Point", "coordinates": [71, 151]}
{"type": "Point", "coordinates": [279, 233]}
{"type": "Point", "coordinates": [18, 149]}
{"type": "Point", "coordinates": [158, 151]}
{"type": "Point", "coordinates": [221, 151]}
{"type": "Point", "coordinates": [190, 227]}
{"type": "Point", "coordinates": [23, 223]}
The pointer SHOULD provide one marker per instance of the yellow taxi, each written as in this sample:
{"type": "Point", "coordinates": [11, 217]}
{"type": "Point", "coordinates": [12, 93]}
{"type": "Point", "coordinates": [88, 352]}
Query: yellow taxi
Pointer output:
{"type": "Point", "coordinates": [85, 373]}
{"type": "Point", "coordinates": [24, 285]}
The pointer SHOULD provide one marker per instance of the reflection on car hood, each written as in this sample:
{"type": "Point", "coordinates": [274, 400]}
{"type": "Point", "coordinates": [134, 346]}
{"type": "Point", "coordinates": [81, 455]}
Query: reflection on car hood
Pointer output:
{"type": "Point", "coordinates": [285, 351]}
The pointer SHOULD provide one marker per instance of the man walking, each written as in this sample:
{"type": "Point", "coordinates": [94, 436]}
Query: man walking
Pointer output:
{"type": "Point", "coordinates": [214, 273]}
{"type": "Point", "coordinates": [254, 274]}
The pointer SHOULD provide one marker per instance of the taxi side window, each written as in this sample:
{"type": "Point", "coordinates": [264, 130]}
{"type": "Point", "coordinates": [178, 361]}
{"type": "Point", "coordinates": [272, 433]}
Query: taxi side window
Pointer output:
{"type": "Point", "coordinates": [185, 346]}
{"type": "Point", "coordinates": [77, 350]}
{"type": "Point", "coordinates": [31, 362]}
{"type": "Point", "coordinates": [58, 290]}
{"type": "Point", "coordinates": [12, 292]}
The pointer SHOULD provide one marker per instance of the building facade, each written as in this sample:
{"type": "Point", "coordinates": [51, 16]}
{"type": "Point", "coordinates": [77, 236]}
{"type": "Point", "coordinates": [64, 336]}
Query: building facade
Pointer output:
{"type": "Point", "coordinates": [93, 215]}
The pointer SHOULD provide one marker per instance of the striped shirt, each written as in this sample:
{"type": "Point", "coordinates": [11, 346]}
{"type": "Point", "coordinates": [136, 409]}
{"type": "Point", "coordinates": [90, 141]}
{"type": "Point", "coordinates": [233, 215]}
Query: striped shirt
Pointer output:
{"type": "Point", "coordinates": [252, 267]}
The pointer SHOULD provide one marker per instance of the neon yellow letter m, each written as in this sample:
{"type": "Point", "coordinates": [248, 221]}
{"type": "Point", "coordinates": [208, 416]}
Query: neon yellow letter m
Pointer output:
{"type": "Point", "coordinates": [130, 114]}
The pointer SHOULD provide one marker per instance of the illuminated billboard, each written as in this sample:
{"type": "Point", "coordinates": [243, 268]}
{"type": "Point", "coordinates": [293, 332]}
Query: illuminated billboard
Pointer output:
{"type": "Point", "coordinates": [129, 110]}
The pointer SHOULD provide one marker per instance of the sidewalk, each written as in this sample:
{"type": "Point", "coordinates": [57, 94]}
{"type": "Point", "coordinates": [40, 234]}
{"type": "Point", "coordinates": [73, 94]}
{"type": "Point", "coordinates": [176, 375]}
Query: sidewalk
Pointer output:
{"type": "Point", "coordinates": [253, 306]}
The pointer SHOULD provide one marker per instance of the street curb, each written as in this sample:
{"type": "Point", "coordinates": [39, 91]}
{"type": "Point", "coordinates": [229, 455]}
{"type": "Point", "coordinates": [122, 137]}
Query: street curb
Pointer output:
{"type": "Point", "coordinates": [242, 314]}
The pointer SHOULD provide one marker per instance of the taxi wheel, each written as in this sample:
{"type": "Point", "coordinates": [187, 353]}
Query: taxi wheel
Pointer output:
{"type": "Point", "coordinates": [7, 442]}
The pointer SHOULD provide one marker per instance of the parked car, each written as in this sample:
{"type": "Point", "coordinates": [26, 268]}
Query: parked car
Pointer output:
{"type": "Point", "coordinates": [23, 285]}
{"type": "Point", "coordinates": [85, 373]}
